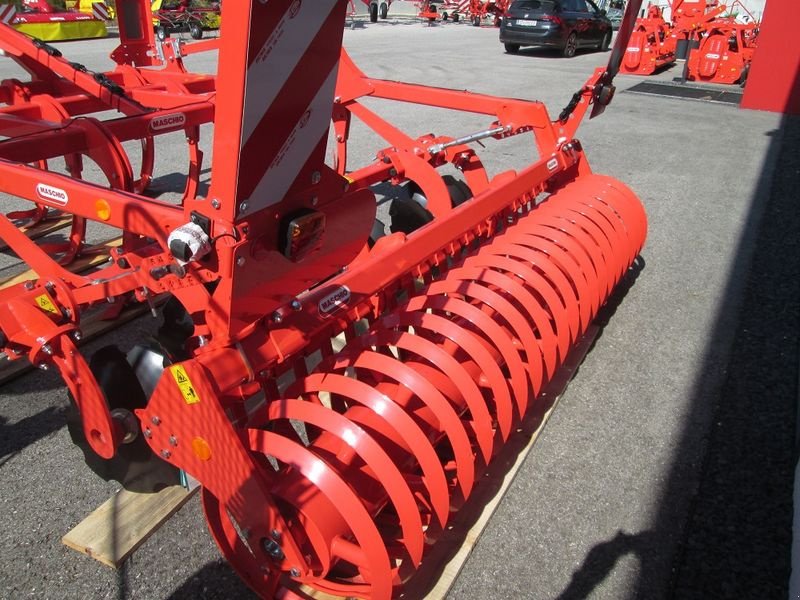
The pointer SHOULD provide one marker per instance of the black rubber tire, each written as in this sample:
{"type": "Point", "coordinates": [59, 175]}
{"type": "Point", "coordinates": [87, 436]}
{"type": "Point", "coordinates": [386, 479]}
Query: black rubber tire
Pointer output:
{"type": "Point", "coordinates": [456, 17]}
{"type": "Point", "coordinates": [162, 33]}
{"type": "Point", "coordinates": [373, 13]}
{"type": "Point", "coordinates": [408, 214]}
{"type": "Point", "coordinates": [570, 46]}
{"type": "Point", "coordinates": [445, 16]}
{"type": "Point", "coordinates": [476, 21]}
{"type": "Point", "coordinates": [195, 31]}
{"type": "Point", "coordinates": [511, 48]}
{"type": "Point", "coordinates": [606, 43]}
{"type": "Point", "coordinates": [384, 12]}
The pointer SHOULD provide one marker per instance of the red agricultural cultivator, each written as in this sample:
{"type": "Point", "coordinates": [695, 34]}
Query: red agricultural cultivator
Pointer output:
{"type": "Point", "coordinates": [722, 48]}
{"type": "Point", "coordinates": [651, 46]}
{"type": "Point", "coordinates": [325, 468]}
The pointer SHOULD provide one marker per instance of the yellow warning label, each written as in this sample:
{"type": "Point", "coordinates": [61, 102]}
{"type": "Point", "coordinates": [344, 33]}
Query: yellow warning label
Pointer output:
{"type": "Point", "coordinates": [46, 304]}
{"type": "Point", "coordinates": [184, 384]}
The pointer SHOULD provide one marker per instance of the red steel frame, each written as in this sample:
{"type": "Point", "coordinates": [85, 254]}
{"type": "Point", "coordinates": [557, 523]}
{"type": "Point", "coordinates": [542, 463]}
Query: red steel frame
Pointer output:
{"type": "Point", "coordinates": [259, 314]}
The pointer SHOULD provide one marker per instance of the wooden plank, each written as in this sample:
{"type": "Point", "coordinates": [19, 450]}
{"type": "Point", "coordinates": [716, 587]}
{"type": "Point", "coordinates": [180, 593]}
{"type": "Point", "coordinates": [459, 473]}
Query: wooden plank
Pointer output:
{"type": "Point", "coordinates": [93, 256]}
{"type": "Point", "coordinates": [123, 522]}
{"type": "Point", "coordinates": [43, 228]}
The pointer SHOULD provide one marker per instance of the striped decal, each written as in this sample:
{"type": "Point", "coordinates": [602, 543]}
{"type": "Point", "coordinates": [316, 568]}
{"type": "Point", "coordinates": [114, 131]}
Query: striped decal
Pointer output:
{"type": "Point", "coordinates": [7, 13]}
{"type": "Point", "coordinates": [289, 88]}
{"type": "Point", "coordinates": [303, 139]}
{"type": "Point", "coordinates": [100, 11]}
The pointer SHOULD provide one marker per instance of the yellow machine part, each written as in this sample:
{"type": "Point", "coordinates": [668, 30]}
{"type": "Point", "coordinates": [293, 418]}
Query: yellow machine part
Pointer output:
{"type": "Point", "coordinates": [64, 30]}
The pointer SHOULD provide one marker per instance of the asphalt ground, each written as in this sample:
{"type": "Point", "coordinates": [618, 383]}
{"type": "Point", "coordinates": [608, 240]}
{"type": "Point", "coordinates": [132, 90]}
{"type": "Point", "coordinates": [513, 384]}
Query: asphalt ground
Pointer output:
{"type": "Point", "coordinates": [663, 471]}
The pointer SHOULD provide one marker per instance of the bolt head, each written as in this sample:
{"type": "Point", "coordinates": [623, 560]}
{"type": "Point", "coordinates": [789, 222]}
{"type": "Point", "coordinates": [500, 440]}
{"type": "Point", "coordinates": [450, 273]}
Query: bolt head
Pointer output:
{"type": "Point", "coordinates": [76, 335]}
{"type": "Point", "coordinates": [316, 177]}
{"type": "Point", "coordinates": [166, 454]}
{"type": "Point", "coordinates": [240, 261]}
{"type": "Point", "coordinates": [294, 572]}
{"type": "Point", "coordinates": [277, 317]}
{"type": "Point", "coordinates": [296, 305]}
{"type": "Point", "coordinates": [155, 421]}
{"type": "Point", "coordinates": [215, 204]}
{"type": "Point", "coordinates": [243, 207]}
{"type": "Point", "coordinates": [173, 441]}
{"type": "Point", "coordinates": [147, 433]}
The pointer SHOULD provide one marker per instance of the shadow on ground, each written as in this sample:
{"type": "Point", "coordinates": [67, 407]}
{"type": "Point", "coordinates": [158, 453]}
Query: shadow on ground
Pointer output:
{"type": "Point", "coordinates": [726, 511]}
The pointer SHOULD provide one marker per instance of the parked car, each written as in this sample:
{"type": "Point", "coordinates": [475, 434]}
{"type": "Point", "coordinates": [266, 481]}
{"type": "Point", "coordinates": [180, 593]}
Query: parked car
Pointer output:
{"type": "Point", "coordinates": [563, 24]}
{"type": "Point", "coordinates": [615, 9]}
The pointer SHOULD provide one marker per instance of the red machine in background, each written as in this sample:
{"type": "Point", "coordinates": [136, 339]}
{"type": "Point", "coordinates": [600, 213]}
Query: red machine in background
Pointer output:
{"type": "Point", "coordinates": [719, 48]}
{"type": "Point", "coordinates": [323, 466]}
{"type": "Point", "coordinates": [479, 10]}
{"type": "Point", "coordinates": [725, 53]}
{"type": "Point", "coordinates": [39, 19]}
{"type": "Point", "coordinates": [651, 46]}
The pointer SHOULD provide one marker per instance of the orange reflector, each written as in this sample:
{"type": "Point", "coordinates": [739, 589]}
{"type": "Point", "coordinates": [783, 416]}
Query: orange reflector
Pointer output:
{"type": "Point", "coordinates": [103, 209]}
{"type": "Point", "coordinates": [201, 448]}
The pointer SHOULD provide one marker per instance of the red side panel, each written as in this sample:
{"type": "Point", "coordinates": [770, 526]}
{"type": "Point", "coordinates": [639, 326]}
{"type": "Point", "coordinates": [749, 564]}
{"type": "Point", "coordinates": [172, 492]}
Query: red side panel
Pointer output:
{"type": "Point", "coordinates": [634, 51]}
{"type": "Point", "coordinates": [774, 80]}
{"type": "Point", "coordinates": [711, 53]}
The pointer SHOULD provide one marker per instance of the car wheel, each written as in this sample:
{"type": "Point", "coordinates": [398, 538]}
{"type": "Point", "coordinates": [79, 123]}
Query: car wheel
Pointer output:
{"type": "Point", "coordinates": [570, 46]}
{"type": "Point", "coordinates": [512, 48]}
{"type": "Point", "coordinates": [445, 16]}
{"type": "Point", "coordinates": [606, 43]}
{"type": "Point", "coordinates": [373, 13]}
{"type": "Point", "coordinates": [161, 33]}
{"type": "Point", "coordinates": [384, 11]}
{"type": "Point", "coordinates": [195, 31]}
{"type": "Point", "coordinates": [476, 21]}
{"type": "Point", "coordinates": [456, 16]}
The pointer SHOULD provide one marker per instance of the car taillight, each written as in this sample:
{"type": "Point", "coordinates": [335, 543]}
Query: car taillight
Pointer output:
{"type": "Point", "coordinates": [553, 19]}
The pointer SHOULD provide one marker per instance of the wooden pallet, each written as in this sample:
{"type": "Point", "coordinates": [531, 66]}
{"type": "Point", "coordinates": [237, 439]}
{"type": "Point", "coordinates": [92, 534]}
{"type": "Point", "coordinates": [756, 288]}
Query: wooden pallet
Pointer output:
{"type": "Point", "coordinates": [49, 225]}
{"type": "Point", "coordinates": [123, 522]}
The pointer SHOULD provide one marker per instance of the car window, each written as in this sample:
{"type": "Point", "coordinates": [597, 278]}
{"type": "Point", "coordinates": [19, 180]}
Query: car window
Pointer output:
{"type": "Point", "coordinates": [543, 5]}
{"type": "Point", "coordinates": [580, 6]}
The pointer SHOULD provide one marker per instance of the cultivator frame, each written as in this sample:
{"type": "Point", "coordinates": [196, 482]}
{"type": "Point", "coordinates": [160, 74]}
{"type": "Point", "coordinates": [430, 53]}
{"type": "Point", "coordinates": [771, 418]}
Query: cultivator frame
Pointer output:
{"type": "Point", "coordinates": [322, 467]}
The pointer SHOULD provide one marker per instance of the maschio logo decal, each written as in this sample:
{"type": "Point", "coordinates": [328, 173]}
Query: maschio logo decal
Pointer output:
{"type": "Point", "coordinates": [295, 8]}
{"type": "Point", "coordinates": [168, 121]}
{"type": "Point", "coordinates": [339, 296]}
{"type": "Point", "coordinates": [52, 194]}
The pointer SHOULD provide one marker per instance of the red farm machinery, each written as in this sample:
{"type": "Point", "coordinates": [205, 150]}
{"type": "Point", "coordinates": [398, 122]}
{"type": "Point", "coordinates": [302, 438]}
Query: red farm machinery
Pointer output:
{"type": "Point", "coordinates": [336, 388]}
{"type": "Point", "coordinates": [719, 48]}
{"type": "Point", "coordinates": [82, 19]}
{"type": "Point", "coordinates": [651, 46]}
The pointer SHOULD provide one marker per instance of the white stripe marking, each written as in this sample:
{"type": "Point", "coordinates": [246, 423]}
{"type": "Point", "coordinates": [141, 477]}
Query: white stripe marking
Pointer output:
{"type": "Point", "coordinates": [280, 175]}
{"type": "Point", "coordinates": [278, 57]}
{"type": "Point", "coordinates": [7, 13]}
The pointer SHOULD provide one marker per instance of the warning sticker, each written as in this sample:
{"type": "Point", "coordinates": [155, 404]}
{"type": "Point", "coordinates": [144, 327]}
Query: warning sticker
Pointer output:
{"type": "Point", "coordinates": [184, 384]}
{"type": "Point", "coordinates": [46, 304]}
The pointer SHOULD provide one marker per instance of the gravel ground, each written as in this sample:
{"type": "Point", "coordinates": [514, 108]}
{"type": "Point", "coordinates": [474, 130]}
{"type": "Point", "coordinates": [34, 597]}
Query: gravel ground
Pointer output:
{"type": "Point", "coordinates": [637, 487]}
